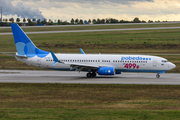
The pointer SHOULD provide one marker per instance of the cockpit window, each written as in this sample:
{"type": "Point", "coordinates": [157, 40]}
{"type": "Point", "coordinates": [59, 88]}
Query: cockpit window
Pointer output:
{"type": "Point", "coordinates": [165, 61]}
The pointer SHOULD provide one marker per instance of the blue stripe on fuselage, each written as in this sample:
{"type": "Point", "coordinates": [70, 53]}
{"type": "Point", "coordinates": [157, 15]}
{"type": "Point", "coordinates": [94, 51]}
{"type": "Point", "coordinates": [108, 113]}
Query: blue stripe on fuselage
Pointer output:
{"type": "Point", "coordinates": [118, 70]}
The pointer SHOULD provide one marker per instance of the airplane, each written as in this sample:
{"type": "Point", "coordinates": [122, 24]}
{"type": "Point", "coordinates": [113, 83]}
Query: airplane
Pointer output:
{"type": "Point", "coordinates": [93, 64]}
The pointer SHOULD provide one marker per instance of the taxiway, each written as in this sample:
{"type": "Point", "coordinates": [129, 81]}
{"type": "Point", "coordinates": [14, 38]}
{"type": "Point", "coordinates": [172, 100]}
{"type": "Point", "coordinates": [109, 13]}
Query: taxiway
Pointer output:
{"type": "Point", "coordinates": [100, 30]}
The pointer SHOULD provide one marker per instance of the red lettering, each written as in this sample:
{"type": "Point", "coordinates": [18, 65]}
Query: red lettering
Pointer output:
{"type": "Point", "coordinates": [126, 66]}
{"type": "Point", "coordinates": [130, 65]}
{"type": "Point", "coordinates": [134, 65]}
{"type": "Point", "coordinates": [137, 67]}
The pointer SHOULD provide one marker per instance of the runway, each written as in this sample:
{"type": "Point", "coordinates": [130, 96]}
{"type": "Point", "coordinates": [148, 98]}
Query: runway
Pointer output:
{"type": "Point", "coordinates": [100, 30]}
{"type": "Point", "coordinates": [24, 76]}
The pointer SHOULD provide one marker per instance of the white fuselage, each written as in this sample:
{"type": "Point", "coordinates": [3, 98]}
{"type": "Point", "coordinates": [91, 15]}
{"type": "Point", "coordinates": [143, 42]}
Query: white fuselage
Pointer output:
{"type": "Point", "coordinates": [103, 64]}
{"type": "Point", "coordinates": [122, 63]}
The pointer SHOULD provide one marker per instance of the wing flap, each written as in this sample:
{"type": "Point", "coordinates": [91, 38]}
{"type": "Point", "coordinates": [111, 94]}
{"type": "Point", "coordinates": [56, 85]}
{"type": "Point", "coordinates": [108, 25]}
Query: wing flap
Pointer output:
{"type": "Point", "coordinates": [81, 67]}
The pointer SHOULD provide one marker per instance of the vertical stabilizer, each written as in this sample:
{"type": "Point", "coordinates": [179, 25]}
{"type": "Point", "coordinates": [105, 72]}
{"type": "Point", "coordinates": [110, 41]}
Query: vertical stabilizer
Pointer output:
{"type": "Point", "coordinates": [24, 46]}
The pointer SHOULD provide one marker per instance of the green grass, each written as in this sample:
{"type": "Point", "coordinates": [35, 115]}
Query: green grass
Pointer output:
{"type": "Point", "coordinates": [117, 37]}
{"type": "Point", "coordinates": [82, 101]}
{"type": "Point", "coordinates": [147, 39]}
{"type": "Point", "coordinates": [86, 114]}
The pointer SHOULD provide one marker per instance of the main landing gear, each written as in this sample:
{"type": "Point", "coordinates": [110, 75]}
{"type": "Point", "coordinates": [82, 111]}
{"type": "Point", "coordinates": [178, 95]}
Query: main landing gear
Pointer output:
{"type": "Point", "coordinates": [158, 76]}
{"type": "Point", "coordinates": [93, 74]}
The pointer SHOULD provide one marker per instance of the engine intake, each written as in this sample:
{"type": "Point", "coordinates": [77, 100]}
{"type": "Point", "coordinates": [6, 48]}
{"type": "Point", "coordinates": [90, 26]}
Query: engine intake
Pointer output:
{"type": "Point", "coordinates": [106, 71]}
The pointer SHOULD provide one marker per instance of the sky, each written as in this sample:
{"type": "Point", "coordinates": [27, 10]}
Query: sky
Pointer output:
{"type": "Point", "coordinates": [92, 9]}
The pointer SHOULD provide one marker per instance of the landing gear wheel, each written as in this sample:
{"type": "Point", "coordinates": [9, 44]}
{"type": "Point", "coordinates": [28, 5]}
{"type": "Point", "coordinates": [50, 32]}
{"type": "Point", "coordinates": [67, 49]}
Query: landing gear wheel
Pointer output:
{"type": "Point", "coordinates": [158, 76]}
{"type": "Point", "coordinates": [93, 74]}
{"type": "Point", "coordinates": [88, 75]}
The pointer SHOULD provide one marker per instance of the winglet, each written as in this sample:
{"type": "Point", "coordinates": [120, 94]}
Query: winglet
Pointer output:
{"type": "Point", "coordinates": [82, 52]}
{"type": "Point", "coordinates": [54, 58]}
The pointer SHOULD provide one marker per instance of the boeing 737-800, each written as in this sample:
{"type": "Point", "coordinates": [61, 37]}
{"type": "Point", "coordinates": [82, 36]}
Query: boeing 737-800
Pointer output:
{"type": "Point", "coordinates": [93, 64]}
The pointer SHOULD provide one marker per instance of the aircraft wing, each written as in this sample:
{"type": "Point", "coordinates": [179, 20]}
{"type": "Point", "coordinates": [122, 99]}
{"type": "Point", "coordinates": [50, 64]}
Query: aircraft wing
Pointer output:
{"type": "Point", "coordinates": [78, 66]}
{"type": "Point", "coordinates": [82, 52]}
{"type": "Point", "coordinates": [81, 67]}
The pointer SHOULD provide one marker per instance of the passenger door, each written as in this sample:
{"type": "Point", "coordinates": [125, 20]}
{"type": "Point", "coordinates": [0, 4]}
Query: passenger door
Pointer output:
{"type": "Point", "coordinates": [154, 62]}
{"type": "Point", "coordinates": [39, 61]}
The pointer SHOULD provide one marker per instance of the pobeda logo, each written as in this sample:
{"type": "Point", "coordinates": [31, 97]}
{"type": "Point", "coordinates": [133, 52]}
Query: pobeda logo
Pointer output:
{"type": "Point", "coordinates": [134, 58]}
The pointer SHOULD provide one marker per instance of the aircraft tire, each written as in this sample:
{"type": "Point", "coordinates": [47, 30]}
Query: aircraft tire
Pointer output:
{"type": "Point", "coordinates": [158, 76]}
{"type": "Point", "coordinates": [88, 75]}
{"type": "Point", "coordinates": [93, 74]}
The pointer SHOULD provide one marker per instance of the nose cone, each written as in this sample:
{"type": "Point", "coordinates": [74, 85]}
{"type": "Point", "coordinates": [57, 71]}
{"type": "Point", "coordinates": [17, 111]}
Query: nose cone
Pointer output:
{"type": "Point", "coordinates": [171, 66]}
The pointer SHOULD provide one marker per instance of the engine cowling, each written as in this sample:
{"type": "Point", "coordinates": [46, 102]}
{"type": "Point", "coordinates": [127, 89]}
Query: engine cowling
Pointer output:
{"type": "Point", "coordinates": [106, 71]}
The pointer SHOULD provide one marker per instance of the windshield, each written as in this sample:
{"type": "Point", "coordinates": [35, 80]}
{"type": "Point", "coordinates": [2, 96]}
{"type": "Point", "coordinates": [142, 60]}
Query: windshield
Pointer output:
{"type": "Point", "coordinates": [165, 61]}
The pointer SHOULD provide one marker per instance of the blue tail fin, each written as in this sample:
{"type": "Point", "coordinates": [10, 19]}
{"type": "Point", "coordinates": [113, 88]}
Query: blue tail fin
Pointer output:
{"type": "Point", "coordinates": [24, 45]}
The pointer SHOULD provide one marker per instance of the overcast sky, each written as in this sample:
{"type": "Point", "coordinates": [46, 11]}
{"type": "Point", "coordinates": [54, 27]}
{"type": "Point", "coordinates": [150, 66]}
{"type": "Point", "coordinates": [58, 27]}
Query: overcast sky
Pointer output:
{"type": "Point", "coordinates": [90, 9]}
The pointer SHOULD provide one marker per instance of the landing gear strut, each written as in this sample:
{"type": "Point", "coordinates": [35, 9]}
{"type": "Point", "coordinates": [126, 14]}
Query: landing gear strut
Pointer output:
{"type": "Point", "coordinates": [93, 74]}
{"type": "Point", "coordinates": [158, 76]}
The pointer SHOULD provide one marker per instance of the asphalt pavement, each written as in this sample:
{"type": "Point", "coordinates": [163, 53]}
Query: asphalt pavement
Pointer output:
{"type": "Point", "coordinates": [73, 77]}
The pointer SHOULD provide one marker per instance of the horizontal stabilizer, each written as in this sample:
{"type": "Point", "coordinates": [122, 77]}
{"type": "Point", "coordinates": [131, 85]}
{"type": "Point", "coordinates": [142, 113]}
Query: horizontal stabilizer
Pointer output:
{"type": "Point", "coordinates": [16, 55]}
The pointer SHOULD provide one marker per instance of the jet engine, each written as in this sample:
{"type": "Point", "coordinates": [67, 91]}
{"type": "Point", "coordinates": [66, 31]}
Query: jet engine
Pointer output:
{"type": "Point", "coordinates": [106, 71]}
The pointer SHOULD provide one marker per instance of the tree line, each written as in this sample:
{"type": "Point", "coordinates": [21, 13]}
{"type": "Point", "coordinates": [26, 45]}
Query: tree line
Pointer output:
{"type": "Point", "coordinates": [33, 22]}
